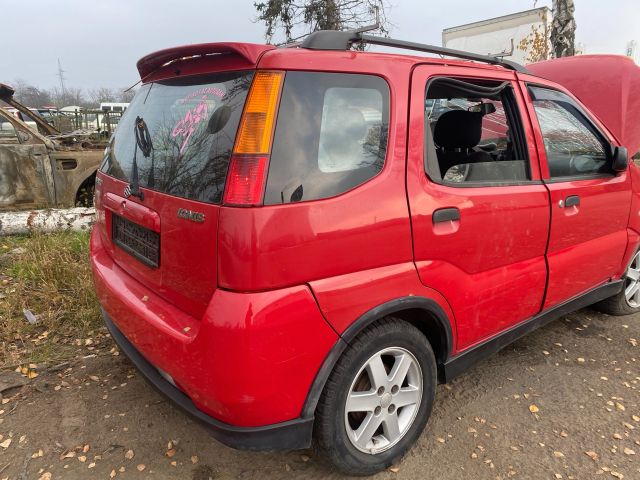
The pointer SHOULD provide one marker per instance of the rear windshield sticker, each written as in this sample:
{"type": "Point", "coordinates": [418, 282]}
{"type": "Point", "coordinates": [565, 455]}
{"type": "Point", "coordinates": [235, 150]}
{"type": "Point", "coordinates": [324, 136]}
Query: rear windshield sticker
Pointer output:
{"type": "Point", "coordinates": [203, 91]}
{"type": "Point", "coordinates": [190, 122]}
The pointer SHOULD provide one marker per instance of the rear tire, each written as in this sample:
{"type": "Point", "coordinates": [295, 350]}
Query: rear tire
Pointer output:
{"type": "Point", "coordinates": [627, 301]}
{"type": "Point", "coordinates": [382, 388]}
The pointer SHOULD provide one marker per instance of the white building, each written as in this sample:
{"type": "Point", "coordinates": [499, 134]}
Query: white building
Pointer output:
{"type": "Point", "coordinates": [521, 37]}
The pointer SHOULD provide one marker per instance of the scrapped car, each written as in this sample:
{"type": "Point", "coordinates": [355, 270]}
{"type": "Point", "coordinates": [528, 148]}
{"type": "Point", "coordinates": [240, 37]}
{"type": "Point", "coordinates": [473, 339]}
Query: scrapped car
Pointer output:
{"type": "Point", "coordinates": [39, 166]}
{"type": "Point", "coordinates": [49, 115]}
{"type": "Point", "coordinates": [301, 243]}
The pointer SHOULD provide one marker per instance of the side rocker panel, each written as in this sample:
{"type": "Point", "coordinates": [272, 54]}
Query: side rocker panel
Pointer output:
{"type": "Point", "coordinates": [471, 356]}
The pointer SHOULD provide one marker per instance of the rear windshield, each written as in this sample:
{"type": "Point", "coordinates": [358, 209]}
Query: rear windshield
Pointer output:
{"type": "Point", "coordinates": [190, 146]}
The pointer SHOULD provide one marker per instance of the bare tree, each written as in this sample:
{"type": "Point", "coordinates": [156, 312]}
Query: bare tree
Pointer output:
{"type": "Point", "coordinates": [563, 29]}
{"type": "Point", "coordinates": [297, 18]}
{"type": "Point", "coordinates": [125, 95]}
{"type": "Point", "coordinates": [102, 94]}
{"type": "Point", "coordinates": [70, 96]}
{"type": "Point", "coordinates": [29, 95]}
{"type": "Point", "coordinates": [33, 96]}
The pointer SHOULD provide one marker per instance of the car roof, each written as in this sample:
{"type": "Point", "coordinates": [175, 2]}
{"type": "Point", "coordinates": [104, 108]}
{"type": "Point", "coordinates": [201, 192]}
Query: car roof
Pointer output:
{"type": "Point", "coordinates": [384, 56]}
{"type": "Point", "coordinates": [248, 55]}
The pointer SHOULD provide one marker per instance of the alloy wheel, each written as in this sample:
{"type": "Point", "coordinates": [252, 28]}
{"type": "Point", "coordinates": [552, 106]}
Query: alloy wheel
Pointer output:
{"type": "Point", "coordinates": [632, 282]}
{"type": "Point", "coordinates": [383, 400]}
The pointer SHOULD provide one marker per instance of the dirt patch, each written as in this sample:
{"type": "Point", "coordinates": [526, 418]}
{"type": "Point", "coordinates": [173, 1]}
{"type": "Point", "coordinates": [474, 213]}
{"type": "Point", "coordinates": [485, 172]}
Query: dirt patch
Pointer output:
{"type": "Point", "coordinates": [560, 403]}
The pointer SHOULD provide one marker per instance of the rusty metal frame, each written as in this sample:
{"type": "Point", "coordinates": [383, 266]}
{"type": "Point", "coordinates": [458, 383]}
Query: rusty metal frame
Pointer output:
{"type": "Point", "coordinates": [6, 95]}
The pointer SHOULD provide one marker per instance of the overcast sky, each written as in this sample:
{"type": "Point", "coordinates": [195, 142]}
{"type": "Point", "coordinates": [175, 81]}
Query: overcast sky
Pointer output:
{"type": "Point", "coordinates": [99, 42]}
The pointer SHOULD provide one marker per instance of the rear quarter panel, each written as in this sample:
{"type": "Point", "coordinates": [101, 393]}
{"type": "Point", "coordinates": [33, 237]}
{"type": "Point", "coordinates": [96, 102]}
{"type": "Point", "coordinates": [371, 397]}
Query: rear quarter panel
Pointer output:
{"type": "Point", "coordinates": [345, 298]}
{"type": "Point", "coordinates": [367, 227]}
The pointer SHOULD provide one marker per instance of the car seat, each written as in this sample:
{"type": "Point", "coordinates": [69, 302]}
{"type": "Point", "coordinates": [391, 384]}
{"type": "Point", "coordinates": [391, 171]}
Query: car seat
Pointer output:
{"type": "Point", "coordinates": [456, 133]}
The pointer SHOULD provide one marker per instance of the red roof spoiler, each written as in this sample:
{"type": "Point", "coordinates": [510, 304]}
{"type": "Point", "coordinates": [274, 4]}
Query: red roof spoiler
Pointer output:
{"type": "Point", "coordinates": [608, 84]}
{"type": "Point", "coordinates": [249, 52]}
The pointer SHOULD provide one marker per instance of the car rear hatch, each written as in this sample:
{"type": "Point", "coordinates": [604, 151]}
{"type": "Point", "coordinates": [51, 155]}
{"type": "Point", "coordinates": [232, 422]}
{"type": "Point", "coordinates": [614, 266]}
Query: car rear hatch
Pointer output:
{"type": "Point", "coordinates": [162, 181]}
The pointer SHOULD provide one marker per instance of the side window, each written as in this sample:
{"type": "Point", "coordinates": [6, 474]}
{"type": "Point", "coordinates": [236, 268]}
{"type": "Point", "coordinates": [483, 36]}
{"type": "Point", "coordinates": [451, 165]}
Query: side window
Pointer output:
{"type": "Point", "coordinates": [8, 133]}
{"type": "Point", "coordinates": [6, 128]}
{"type": "Point", "coordinates": [473, 133]}
{"type": "Point", "coordinates": [573, 145]}
{"type": "Point", "coordinates": [331, 135]}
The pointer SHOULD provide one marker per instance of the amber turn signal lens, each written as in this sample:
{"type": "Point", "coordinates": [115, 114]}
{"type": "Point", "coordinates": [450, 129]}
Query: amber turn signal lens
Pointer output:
{"type": "Point", "coordinates": [258, 118]}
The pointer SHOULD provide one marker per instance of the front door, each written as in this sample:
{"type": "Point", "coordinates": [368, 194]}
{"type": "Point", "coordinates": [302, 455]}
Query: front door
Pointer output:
{"type": "Point", "coordinates": [589, 202]}
{"type": "Point", "coordinates": [479, 210]}
{"type": "Point", "coordinates": [26, 179]}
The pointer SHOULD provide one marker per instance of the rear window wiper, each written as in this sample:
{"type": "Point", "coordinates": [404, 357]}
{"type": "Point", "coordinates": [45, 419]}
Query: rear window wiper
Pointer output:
{"type": "Point", "coordinates": [143, 142]}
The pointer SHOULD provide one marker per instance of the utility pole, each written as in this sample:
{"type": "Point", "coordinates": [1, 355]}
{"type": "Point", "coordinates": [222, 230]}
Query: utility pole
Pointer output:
{"type": "Point", "coordinates": [61, 77]}
{"type": "Point", "coordinates": [563, 29]}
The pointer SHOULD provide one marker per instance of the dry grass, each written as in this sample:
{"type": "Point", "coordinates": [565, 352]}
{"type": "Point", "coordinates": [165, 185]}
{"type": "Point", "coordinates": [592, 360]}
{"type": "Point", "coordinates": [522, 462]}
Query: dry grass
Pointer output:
{"type": "Point", "coordinates": [50, 276]}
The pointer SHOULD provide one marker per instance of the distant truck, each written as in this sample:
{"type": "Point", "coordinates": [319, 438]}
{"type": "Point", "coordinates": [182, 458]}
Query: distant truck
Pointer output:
{"type": "Point", "coordinates": [522, 37]}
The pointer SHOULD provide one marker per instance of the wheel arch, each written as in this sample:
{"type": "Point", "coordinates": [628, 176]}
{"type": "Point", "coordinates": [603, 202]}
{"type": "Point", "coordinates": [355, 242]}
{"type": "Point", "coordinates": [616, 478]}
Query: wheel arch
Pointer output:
{"type": "Point", "coordinates": [423, 313]}
{"type": "Point", "coordinates": [87, 181]}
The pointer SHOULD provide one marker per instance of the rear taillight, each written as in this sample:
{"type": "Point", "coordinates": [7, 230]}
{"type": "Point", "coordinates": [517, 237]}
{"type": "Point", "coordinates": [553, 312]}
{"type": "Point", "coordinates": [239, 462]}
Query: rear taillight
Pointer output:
{"type": "Point", "coordinates": [245, 181]}
{"type": "Point", "coordinates": [250, 159]}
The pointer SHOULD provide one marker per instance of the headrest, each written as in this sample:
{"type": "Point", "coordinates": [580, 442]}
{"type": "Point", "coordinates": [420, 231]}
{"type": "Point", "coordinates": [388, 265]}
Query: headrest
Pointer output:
{"type": "Point", "coordinates": [458, 129]}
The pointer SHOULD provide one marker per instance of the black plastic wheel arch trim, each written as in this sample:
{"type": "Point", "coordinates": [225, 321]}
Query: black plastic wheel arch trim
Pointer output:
{"type": "Point", "coordinates": [291, 435]}
{"type": "Point", "coordinates": [468, 358]}
{"type": "Point", "coordinates": [405, 303]}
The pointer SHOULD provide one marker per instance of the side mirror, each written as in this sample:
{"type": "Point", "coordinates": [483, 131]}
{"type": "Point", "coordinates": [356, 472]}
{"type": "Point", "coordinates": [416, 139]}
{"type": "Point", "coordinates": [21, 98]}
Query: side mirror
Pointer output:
{"type": "Point", "coordinates": [620, 159]}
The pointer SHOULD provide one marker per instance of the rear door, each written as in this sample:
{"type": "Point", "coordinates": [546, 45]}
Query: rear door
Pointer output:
{"type": "Point", "coordinates": [166, 237]}
{"type": "Point", "coordinates": [480, 228]}
{"type": "Point", "coordinates": [589, 202]}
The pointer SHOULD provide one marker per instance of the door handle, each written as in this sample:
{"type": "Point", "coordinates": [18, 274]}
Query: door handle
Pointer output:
{"type": "Point", "coordinates": [445, 215]}
{"type": "Point", "coordinates": [570, 201]}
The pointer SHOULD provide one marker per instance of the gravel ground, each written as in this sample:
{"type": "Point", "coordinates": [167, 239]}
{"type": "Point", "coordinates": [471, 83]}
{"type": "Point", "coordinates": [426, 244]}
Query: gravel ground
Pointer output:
{"type": "Point", "coordinates": [561, 403]}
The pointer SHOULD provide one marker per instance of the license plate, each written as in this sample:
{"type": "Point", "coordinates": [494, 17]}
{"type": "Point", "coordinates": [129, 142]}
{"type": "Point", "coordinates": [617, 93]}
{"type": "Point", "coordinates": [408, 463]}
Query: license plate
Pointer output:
{"type": "Point", "coordinates": [136, 240]}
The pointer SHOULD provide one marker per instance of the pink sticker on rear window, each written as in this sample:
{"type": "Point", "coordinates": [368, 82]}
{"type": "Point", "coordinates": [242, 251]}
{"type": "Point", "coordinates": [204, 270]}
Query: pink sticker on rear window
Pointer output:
{"type": "Point", "coordinates": [203, 91]}
{"type": "Point", "coordinates": [190, 122]}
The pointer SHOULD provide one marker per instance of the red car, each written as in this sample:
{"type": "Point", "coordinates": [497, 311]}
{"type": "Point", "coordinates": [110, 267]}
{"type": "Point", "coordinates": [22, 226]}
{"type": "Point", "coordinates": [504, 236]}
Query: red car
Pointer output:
{"type": "Point", "coordinates": [298, 243]}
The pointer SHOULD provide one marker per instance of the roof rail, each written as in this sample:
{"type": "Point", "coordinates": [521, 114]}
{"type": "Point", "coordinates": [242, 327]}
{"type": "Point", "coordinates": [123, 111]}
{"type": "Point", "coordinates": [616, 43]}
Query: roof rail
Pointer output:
{"type": "Point", "coordinates": [342, 40]}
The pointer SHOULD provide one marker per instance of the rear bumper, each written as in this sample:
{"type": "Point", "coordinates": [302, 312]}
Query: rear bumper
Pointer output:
{"type": "Point", "coordinates": [245, 367]}
{"type": "Point", "coordinates": [291, 435]}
